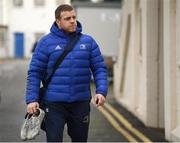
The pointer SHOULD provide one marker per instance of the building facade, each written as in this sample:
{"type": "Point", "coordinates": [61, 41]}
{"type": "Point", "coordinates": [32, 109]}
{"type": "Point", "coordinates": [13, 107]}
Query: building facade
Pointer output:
{"type": "Point", "coordinates": [4, 28]}
{"type": "Point", "coordinates": [147, 71]}
{"type": "Point", "coordinates": [22, 23]}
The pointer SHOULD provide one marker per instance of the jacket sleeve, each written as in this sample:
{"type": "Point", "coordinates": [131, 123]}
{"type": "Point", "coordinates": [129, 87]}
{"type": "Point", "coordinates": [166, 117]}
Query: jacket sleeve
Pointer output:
{"type": "Point", "coordinates": [36, 72]}
{"type": "Point", "coordinates": [98, 69]}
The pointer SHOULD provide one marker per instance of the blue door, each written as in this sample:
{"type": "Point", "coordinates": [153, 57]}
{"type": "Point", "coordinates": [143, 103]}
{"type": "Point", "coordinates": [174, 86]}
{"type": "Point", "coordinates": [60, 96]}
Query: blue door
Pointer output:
{"type": "Point", "coordinates": [19, 45]}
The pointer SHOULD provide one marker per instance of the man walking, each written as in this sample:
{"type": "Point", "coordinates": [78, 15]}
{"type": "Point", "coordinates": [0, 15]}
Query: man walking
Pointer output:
{"type": "Point", "coordinates": [68, 95]}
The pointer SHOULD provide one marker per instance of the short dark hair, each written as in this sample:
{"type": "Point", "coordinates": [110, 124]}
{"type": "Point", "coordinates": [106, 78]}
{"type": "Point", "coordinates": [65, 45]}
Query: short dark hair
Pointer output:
{"type": "Point", "coordinates": [61, 8]}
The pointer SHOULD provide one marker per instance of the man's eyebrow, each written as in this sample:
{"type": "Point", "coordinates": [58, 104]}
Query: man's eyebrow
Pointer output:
{"type": "Point", "coordinates": [69, 17]}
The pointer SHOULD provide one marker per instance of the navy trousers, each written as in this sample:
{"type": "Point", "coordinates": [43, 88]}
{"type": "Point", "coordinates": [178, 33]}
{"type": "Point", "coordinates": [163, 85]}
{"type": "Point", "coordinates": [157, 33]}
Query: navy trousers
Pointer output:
{"type": "Point", "coordinates": [75, 115]}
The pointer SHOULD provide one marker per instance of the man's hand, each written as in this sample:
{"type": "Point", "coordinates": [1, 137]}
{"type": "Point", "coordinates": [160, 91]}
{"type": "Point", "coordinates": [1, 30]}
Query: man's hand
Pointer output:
{"type": "Point", "coordinates": [99, 99]}
{"type": "Point", "coordinates": [32, 107]}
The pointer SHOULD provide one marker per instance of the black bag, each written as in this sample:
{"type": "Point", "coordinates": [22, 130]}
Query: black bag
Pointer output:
{"type": "Point", "coordinates": [42, 91]}
{"type": "Point", "coordinates": [45, 83]}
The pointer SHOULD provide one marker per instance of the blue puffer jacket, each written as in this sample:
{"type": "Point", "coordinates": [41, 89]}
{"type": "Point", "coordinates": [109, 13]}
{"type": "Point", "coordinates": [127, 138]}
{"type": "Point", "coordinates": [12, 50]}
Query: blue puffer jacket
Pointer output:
{"type": "Point", "coordinates": [71, 81]}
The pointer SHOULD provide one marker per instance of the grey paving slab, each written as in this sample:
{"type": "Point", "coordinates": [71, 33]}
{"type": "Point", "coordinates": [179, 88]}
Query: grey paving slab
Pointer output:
{"type": "Point", "coordinates": [12, 110]}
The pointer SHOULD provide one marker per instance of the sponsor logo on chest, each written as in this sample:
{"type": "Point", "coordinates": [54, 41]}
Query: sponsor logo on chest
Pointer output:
{"type": "Point", "coordinates": [58, 47]}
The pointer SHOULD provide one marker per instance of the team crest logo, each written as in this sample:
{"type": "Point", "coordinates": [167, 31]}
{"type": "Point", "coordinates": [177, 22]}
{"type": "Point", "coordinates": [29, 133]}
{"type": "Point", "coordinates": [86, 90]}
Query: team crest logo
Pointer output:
{"type": "Point", "coordinates": [83, 47]}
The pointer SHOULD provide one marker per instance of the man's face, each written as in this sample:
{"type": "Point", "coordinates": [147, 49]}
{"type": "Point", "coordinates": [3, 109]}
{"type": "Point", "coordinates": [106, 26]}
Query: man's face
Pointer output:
{"type": "Point", "coordinates": [67, 21]}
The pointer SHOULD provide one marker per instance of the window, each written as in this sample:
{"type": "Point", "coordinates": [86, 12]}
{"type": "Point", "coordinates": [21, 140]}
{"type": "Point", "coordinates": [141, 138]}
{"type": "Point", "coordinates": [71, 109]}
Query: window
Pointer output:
{"type": "Point", "coordinates": [58, 2]}
{"type": "Point", "coordinates": [38, 35]}
{"type": "Point", "coordinates": [39, 2]}
{"type": "Point", "coordinates": [96, 0]}
{"type": "Point", "coordinates": [18, 3]}
{"type": "Point", "coordinates": [3, 36]}
{"type": "Point", "coordinates": [80, 0]}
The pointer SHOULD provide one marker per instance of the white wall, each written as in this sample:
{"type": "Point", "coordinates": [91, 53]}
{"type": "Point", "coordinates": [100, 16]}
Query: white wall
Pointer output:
{"type": "Point", "coordinates": [136, 71]}
{"type": "Point", "coordinates": [3, 12]}
{"type": "Point", "coordinates": [103, 23]}
{"type": "Point", "coordinates": [29, 19]}
{"type": "Point", "coordinates": [147, 72]}
{"type": "Point", "coordinates": [4, 23]}
{"type": "Point", "coordinates": [172, 69]}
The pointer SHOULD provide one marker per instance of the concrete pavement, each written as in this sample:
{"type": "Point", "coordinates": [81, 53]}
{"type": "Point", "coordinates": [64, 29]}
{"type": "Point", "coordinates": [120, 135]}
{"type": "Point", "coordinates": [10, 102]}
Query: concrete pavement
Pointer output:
{"type": "Point", "coordinates": [111, 123]}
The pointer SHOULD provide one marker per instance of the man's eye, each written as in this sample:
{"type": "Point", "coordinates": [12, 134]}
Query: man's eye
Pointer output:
{"type": "Point", "coordinates": [68, 18]}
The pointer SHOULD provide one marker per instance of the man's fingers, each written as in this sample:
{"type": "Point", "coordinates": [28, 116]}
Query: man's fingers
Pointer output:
{"type": "Point", "coordinates": [30, 111]}
{"type": "Point", "coordinates": [99, 99]}
{"type": "Point", "coordinates": [32, 107]}
{"type": "Point", "coordinates": [96, 99]}
{"type": "Point", "coordinates": [101, 102]}
{"type": "Point", "coordinates": [34, 110]}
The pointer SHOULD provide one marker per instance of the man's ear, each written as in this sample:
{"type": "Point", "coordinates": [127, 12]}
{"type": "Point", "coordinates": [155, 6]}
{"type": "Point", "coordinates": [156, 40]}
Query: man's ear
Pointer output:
{"type": "Point", "coordinates": [58, 22]}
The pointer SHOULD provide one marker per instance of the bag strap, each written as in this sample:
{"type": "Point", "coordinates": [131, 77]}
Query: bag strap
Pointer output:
{"type": "Point", "coordinates": [68, 48]}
